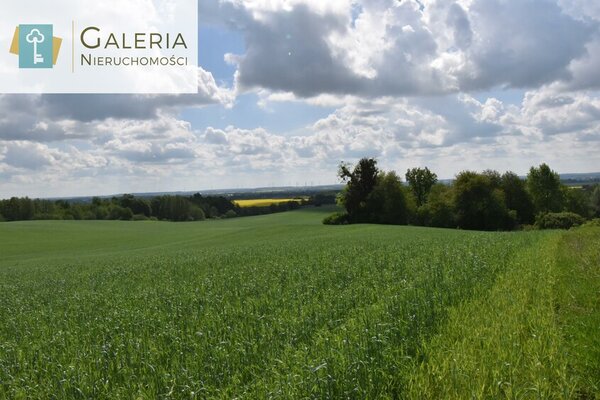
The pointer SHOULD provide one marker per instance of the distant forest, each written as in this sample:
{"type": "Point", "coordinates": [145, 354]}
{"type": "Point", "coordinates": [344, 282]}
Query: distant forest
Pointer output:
{"type": "Point", "coordinates": [129, 207]}
{"type": "Point", "coordinates": [484, 200]}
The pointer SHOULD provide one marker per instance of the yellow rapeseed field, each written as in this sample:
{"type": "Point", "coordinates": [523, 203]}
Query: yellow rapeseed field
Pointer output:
{"type": "Point", "coordinates": [263, 202]}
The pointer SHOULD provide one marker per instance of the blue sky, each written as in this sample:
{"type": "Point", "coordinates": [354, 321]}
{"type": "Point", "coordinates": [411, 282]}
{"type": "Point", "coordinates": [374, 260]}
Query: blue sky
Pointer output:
{"type": "Point", "coordinates": [290, 88]}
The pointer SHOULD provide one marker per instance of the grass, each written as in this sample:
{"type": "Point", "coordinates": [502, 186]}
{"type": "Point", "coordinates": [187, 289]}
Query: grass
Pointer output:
{"type": "Point", "coordinates": [264, 202]}
{"type": "Point", "coordinates": [281, 306]}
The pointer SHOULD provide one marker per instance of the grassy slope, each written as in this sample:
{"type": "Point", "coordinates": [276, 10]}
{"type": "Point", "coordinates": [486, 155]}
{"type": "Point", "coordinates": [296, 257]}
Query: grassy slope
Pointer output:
{"type": "Point", "coordinates": [277, 306]}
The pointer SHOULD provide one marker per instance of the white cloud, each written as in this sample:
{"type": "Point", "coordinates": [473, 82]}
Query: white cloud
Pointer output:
{"type": "Point", "coordinates": [394, 48]}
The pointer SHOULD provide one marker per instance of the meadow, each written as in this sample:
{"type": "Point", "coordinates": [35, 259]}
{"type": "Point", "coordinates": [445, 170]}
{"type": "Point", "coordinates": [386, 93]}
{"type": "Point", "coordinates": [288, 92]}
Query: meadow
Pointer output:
{"type": "Point", "coordinates": [281, 306]}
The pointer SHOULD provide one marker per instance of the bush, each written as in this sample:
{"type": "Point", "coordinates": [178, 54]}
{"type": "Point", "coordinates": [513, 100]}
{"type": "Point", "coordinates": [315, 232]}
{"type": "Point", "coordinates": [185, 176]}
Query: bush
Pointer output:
{"type": "Point", "coordinates": [89, 216]}
{"type": "Point", "coordinates": [595, 223]}
{"type": "Point", "coordinates": [562, 220]}
{"type": "Point", "coordinates": [336, 219]}
{"type": "Point", "coordinates": [196, 214]}
{"type": "Point", "coordinates": [120, 213]}
{"type": "Point", "coordinates": [230, 214]}
{"type": "Point", "coordinates": [139, 217]}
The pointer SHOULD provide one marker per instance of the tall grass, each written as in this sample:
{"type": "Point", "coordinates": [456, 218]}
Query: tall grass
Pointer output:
{"type": "Point", "coordinates": [533, 335]}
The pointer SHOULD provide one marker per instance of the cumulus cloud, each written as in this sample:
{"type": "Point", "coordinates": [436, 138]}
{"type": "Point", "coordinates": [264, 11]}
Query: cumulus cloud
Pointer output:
{"type": "Point", "coordinates": [402, 78]}
{"type": "Point", "coordinates": [392, 48]}
{"type": "Point", "coordinates": [48, 118]}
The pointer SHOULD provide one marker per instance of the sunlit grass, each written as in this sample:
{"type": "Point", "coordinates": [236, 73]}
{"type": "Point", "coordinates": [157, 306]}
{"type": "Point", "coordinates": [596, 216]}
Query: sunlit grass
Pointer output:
{"type": "Point", "coordinates": [277, 306]}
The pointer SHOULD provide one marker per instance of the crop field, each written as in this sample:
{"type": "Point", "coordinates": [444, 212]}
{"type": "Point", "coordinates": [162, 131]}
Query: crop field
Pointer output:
{"type": "Point", "coordinates": [263, 202]}
{"type": "Point", "coordinates": [281, 306]}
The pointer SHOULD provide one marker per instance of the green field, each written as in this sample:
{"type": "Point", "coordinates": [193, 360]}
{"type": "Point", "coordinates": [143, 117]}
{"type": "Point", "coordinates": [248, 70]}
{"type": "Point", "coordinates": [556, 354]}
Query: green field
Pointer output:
{"type": "Point", "coordinates": [281, 306]}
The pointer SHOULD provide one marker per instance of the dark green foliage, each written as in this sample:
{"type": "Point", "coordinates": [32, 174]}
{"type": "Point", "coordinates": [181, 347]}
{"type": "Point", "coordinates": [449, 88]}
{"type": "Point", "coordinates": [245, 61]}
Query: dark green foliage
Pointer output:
{"type": "Point", "coordinates": [230, 214]}
{"type": "Point", "coordinates": [213, 207]}
{"type": "Point", "coordinates": [120, 213]}
{"type": "Point", "coordinates": [595, 201]}
{"type": "Point", "coordinates": [420, 181]}
{"type": "Point", "coordinates": [562, 220]}
{"type": "Point", "coordinates": [360, 183]}
{"type": "Point", "coordinates": [386, 204]}
{"type": "Point", "coordinates": [439, 209]}
{"type": "Point", "coordinates": [479, 204]}
{"type": "Point", "coordinates": [544, 187]}
{"type": "Point", "coordinates": [175, 208]}
{"type": "Point", "coordinates": [125, 208]}
{"type": "Point", "coordinates": [321, 199]}
{"type": "Point", "coordinates": [576, 201]}
{"type": "Point", "coordinates": [476, 201]}
{"type": "Point", "coordinates": [136, 205]}
{"type": "Point", "coordinates": [336, 219]}
{"type": "Point", "coordinates": [371, 196]}
{"type": "Point", "coordinates": [17, 209]}
{"type": "Point", "coordinates": [517, 198]}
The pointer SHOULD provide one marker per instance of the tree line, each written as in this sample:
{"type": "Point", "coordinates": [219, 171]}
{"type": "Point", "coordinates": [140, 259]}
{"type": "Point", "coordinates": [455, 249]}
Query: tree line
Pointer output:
{"type": "Point", "coordinates": [484, 200]}
{"type": "Point", "coordinates": [129, 207]}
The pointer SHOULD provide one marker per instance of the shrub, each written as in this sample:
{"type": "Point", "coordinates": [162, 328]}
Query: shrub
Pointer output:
{"type": "Point", "coordinates": [336, 219]}
{"type": "Point", "coordinates": [196, 214]}
{"type": "Point", "coordinates": [120, 213]}
{"type": "Point", "coordinates": [89, 215]}
{"type": "Point", "coordinates": [562, 220]}
{"type": "Point", "coordinates": [230, 214]}
{"type": "Point", "coordinates": [139, 217]}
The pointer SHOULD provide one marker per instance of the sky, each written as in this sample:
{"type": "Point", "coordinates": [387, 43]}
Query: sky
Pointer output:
{"type": "Point", "coordinates": [290, 88]}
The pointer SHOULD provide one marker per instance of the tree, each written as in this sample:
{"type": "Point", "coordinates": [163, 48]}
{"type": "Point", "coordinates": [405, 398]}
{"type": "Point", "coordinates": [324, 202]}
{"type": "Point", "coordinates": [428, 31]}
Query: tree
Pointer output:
{"type": "Point", "coordinates": [595, 201]}
{"type": "Point", "coordinates": [439, 209]}
{"type": "Point", "coordinates": [420, 181]}
{"type": "Point", "coordinates": [478, 204]}
{"type": "Point", "coordinates": [359, 185]}
{"type": "Point", "coordinates": [386, 203]}
{"type": "Point", "coordinates": [137, 205]}
{"type": "Point", "coordinates": [517, 198]}
{"type": "Point", "coordinates": [576, 201]}
{"type": "Point", "coordinates": [544, 187]}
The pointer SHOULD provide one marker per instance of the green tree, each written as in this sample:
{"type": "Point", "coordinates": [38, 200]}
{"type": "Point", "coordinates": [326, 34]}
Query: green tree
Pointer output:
{"type": "Point", "coordinates": [576, 201]}
{"type": "Point", "coordinates": [136, 205]}
{"type": "Point", "coordinates": [545, 188]}
{"type": "Point", "coordinates": [360, 182]}
{"type": "Point", "coordinates": [439, 209]}
{"type": "Point", "coordinates": [478, 203]}
{"type": "Point", "coordinates": [420, 181]}
{"type": "Point", "coordinates": [595, 201]}
{"type": "Point", "coordinates": [386, 204]}
{"type": "Point", "coordinates": [517, 198]}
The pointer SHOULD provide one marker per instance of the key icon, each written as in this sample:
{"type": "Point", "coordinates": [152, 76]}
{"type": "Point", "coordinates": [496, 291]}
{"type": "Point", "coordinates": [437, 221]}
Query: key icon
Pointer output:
{"type": "Point", "coordinates": [35, 37]}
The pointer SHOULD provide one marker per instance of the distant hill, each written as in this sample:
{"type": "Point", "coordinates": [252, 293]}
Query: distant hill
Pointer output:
{"type": "Point", "coordinates": [254, 193]}
{"type": "Point", "coordinates": [571, 179]}
{"type": "Point", "coordinates": [580, 179]}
